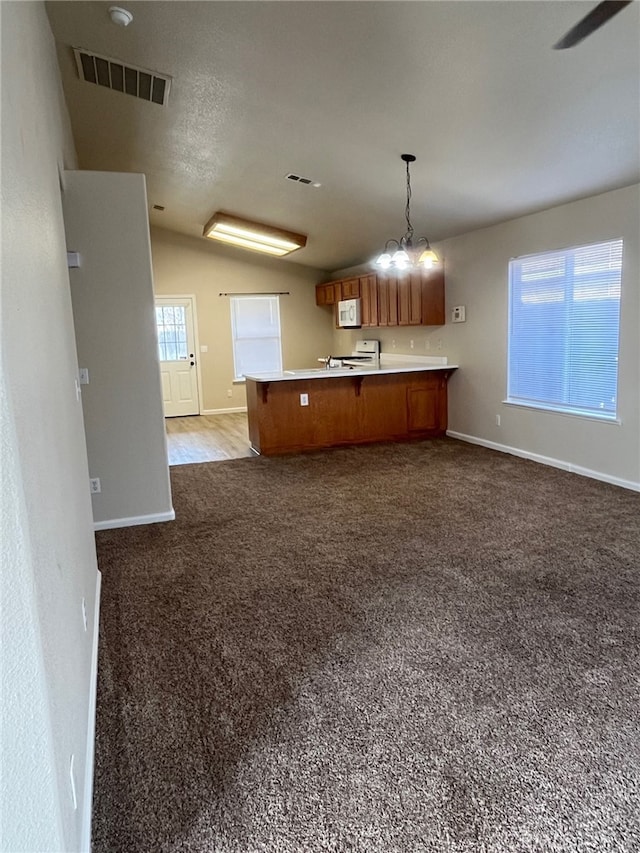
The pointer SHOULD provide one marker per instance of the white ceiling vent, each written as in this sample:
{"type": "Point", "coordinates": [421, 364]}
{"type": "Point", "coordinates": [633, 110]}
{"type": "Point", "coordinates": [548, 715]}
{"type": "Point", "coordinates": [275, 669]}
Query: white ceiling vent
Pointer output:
{"type": "Point", "coordinates": [113, 74]}
{"type": "Point", "coordinates": [300, 180]}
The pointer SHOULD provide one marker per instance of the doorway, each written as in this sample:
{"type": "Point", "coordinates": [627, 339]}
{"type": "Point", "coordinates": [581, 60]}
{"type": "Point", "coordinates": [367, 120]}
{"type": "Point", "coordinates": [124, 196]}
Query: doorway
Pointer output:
{"type": "Point", "coordinates": [176, 325]}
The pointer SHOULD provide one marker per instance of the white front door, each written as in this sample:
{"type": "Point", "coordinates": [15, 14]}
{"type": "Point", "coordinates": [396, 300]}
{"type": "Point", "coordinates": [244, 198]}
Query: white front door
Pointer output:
{"type": "Point", "coordinates": [178, 365]}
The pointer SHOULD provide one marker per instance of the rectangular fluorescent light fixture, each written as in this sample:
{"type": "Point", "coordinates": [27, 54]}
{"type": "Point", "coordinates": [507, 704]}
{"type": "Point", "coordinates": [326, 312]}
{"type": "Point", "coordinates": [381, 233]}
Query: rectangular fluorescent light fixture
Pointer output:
{"type": "Point", "coordinates": [252, 235]}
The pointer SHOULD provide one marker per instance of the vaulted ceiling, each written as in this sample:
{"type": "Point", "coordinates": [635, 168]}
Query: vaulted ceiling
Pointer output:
{"type": "Point", "coordinates": [500, 123]}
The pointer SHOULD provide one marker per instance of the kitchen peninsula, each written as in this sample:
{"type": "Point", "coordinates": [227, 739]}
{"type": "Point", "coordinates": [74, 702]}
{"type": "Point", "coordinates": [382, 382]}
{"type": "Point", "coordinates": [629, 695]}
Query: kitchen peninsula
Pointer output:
{"type": "Point", "coordinates": [296, 410]}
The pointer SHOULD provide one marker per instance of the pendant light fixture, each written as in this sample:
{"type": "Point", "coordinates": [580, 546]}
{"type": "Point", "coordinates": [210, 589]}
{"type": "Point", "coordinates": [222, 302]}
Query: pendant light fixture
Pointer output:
{"type": "Point", "coordinates": [409, 253]}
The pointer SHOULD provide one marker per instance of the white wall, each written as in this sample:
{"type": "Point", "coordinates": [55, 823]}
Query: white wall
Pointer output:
{"type": "Point", "coordinates": [188, 265]}
{"type": "Point", "coordinates": [48, 553]}
{"type": "Point", "coordinates": [476, 266]}
{"type": "Point", "coordinates": [113, 306]}
{"type": "Point", "coordinates": [477, 277]}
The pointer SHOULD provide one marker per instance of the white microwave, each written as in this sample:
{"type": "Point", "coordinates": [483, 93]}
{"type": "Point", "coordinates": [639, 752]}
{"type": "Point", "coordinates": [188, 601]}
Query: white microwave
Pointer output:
{"type": "Point", "coordinates": [349, 314]}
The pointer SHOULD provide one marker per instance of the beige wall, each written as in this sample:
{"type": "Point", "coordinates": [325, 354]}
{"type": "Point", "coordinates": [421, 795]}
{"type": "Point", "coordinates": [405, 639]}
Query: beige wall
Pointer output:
{"type": "Point", "coordinates": [476, 276]}
{"type": "Point", "coordinates": [186, 265]}
{"type": "Point", "coordinates": [46, 529]}
{"type": "Point", "coordinates": [113, 308]}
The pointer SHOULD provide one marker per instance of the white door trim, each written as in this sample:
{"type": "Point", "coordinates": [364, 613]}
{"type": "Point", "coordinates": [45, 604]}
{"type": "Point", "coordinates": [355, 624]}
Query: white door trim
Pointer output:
{"type": "Point", "coordinates": [196, 343]}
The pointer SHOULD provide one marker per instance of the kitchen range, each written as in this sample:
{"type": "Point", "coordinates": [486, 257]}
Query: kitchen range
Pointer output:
{"type": "Point", "coordinates": [359, 398]}
{"type": "Point", "coordinates": [366, 354]}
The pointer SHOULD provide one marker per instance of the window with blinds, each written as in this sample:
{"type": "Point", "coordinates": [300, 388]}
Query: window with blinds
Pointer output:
{"type": "Point", "coordinates": [564, 318]}
{"type": "Point", "coordinates": [255, 329]}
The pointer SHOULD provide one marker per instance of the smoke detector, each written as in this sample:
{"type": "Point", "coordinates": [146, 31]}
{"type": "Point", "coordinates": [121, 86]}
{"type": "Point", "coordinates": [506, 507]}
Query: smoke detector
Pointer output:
{"type": "Point", "coordinates": [120, 16]}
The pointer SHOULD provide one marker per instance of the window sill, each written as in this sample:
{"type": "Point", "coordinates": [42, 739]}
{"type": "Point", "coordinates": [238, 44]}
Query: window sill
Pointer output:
{"type": "Point", "coordinates": [564, 412]}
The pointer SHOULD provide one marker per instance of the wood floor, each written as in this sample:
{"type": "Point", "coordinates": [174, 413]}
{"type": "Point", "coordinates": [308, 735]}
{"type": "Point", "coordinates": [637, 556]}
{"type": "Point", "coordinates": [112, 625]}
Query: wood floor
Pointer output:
{"type": "Point", "coordinates": [207, 438]}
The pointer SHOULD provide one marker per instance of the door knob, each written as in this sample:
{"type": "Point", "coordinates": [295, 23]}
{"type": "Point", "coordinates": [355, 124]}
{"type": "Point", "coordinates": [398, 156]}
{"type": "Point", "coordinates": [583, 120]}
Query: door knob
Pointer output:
{"type": "Point", "coordinates": [192, 363]}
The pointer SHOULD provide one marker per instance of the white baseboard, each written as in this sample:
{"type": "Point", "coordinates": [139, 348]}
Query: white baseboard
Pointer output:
{"type": "Point", "coordinates": [546, 460]}
{"type": "Point", "coordinates": [87, 803]}
{"type": "Point", "coordinates": [222, 411]}
{"type": "Point", "coordinates": [153, 518]}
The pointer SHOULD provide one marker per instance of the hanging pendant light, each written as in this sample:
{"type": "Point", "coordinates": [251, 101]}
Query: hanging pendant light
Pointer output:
{"type": "Point", "coordinates": [409, 253]}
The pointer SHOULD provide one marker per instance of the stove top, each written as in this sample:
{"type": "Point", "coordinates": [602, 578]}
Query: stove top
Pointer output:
{"type": "Point", "coordinates": [366, 354]}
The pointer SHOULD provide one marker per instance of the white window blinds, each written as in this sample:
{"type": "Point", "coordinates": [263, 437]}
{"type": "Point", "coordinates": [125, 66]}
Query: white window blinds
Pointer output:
{"type": "Point", "coordinates": [564, 316]}
{"type": "Point", "coordinates": [255, 328]}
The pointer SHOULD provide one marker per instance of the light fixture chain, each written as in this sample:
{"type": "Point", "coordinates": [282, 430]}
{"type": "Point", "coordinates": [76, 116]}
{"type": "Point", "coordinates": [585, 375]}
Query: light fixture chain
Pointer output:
{"type": "Point", "coordinates": [407, 255]}
{"type": "Point", "coordinates": [408, 207]}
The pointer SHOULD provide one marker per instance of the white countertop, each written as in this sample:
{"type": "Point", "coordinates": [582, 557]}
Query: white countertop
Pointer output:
{"type": "Point", "coordinates": [388, 364]}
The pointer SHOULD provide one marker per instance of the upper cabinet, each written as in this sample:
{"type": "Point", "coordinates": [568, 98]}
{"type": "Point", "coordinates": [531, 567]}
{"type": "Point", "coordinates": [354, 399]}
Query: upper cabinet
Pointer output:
{"type": "Point", "coordinates": [421, 299]}
{"type": "Point", "coordinates": [326, 293]}
{"type": "Point", "coordinates": [390, 299]}
{"type": "Point", "coordinates": [333, 291]}
{"type": "Point", "coordinates": [350, 288]}
{"type": "Point", "coordinates": [432, 297]}
{"type": "Point", "coordinates": [369, 300]}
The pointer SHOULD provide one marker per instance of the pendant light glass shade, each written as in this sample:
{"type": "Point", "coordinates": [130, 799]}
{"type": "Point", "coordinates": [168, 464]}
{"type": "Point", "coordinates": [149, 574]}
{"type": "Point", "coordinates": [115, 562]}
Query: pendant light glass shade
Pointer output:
{"type": "Point", "coordinates": [409, 253]}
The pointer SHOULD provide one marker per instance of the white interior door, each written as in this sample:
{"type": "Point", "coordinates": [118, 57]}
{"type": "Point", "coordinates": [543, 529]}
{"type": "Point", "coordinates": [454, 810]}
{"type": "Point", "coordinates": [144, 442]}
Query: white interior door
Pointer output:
{"type": "Point", "coordinates": [178, 363]}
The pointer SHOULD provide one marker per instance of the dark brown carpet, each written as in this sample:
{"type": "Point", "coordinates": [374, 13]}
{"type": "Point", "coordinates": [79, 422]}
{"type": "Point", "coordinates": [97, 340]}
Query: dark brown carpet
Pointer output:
{"type": "Point", "coordinates": [389, 649]}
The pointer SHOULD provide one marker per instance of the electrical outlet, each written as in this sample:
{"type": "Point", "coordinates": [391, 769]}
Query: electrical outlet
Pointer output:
{"type": "Point", "coordinates": [439, 344]}
{"type": "Point", "coordinates": [229, 392]}
{"type": "Point", "coordinates": [393, 344]}
{"type": "Point", "coordinates": [497, 420]}
{"type": "Point", "coordinates": [84, 612]}
{"type": "Point", "coordinates": [94, 486]}
{"type": "Point", "coordinates": [304, 399]}
{"type": "Point", "coordinates": [411, 344]}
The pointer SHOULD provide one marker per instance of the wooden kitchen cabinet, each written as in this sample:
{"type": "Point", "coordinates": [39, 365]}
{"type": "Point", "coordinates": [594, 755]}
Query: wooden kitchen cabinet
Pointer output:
{"type": "Point", "coordinates": [387, 299]}
{"type": "Point", "coordinates": [350, 288]}
{"type": "Point", "coordinates": [326, 294]}
{"type": "Point", "coordinates": [432, 293]}
{"type": "Point", "coordinates": [331, 292]}
{"type": "Point", "coordinates": [391, 299]}
{"type": "Point", "coordinates": [421, 299]}
{"type": "Point", "coordinates": [409, 300]}
{"type": "Point", "coordinates": [369, 300]}
{"type": "Point", "coordinates": [357, 409]}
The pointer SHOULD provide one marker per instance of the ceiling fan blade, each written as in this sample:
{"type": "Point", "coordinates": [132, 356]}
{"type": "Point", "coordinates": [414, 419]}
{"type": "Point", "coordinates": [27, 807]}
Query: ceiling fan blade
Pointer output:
{"type": "Point", "coordinates": [602, 13]}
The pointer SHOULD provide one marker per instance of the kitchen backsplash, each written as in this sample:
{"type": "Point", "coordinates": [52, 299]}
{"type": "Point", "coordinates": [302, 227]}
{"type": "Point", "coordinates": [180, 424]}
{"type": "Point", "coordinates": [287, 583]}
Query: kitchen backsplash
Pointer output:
{"type": "Point", "coordinates": [399, 340]}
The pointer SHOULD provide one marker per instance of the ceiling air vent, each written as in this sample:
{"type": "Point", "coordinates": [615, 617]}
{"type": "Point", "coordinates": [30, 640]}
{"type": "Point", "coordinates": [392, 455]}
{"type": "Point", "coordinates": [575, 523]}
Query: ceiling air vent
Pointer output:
{"type": "Point", "coordinates": [300, 180]}
{"type": "Point", "coordinates": [113, 74]}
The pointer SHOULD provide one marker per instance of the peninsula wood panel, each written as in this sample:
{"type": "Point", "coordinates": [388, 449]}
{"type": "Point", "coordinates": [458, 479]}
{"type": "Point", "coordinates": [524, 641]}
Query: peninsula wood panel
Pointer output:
{"type": "Point", "coordinates": [354, 409]}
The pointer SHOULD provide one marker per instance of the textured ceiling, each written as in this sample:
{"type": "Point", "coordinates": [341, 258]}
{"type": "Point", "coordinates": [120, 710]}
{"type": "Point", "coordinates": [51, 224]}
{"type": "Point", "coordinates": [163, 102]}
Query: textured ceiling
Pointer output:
{"type": "Point", "coordinates": [500, 123]}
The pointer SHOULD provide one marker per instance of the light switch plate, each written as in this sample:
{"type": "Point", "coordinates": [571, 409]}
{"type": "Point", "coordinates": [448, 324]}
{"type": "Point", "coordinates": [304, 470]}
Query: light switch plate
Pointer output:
{"type": "Point", "coordinates": [458, 314]}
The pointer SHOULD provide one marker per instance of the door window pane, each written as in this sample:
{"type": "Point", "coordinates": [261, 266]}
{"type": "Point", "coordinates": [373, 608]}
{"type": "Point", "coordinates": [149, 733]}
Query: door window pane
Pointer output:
{"type": "Point", "coordinates": [172, 332]}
